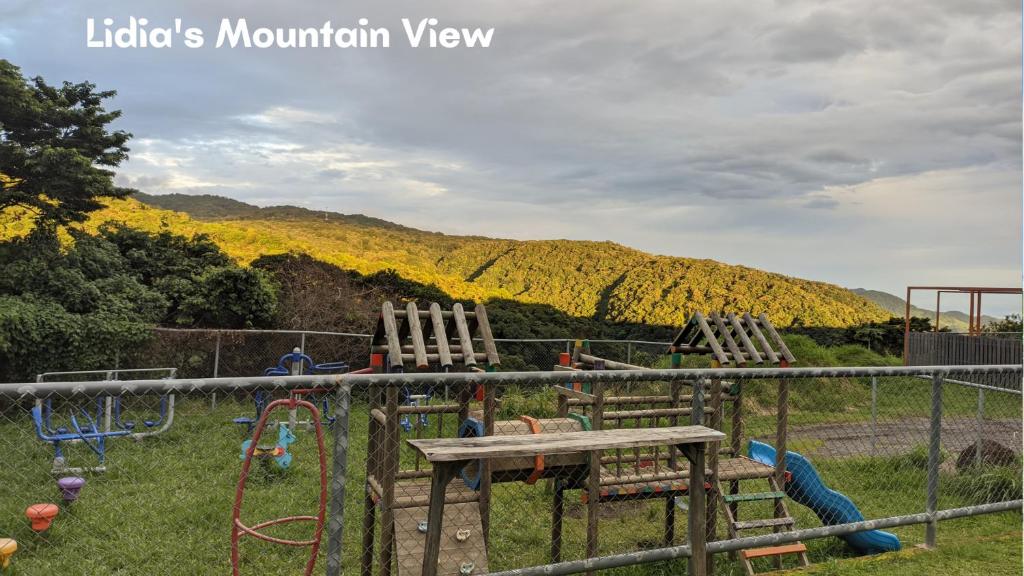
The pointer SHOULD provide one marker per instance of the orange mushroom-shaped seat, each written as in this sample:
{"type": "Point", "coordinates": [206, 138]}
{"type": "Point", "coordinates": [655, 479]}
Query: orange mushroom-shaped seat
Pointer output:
{"type": "Point", "coordinates": [41, 515]}
{"type": "Point", "coordinates": [7, 549]}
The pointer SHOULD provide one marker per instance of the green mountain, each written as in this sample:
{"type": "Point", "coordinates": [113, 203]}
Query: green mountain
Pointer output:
{"type": "Point", "coordinates": [603, 281]}
{"type": "Point", "coordinates": [954, 320]}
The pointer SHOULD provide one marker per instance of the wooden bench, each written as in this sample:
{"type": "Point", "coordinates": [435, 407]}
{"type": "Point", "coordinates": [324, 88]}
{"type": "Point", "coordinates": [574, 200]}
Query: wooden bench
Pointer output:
{"type": "Point", "coordinates": [449, 455]}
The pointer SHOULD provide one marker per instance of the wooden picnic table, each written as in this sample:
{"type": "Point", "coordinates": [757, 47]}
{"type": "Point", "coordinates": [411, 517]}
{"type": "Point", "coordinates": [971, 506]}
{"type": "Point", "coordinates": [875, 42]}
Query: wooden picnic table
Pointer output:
{"type": "Point", "coordinates": [449, 455]}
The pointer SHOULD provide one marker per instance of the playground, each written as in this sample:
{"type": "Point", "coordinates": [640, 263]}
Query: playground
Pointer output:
{"type": "Point", "coordinates": [163, 503]}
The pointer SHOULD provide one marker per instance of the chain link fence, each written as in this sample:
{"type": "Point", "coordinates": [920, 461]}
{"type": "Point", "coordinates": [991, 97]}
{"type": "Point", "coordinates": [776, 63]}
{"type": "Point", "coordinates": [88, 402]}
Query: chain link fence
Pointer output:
{"type": "Point", "coordinates": [891, 446]}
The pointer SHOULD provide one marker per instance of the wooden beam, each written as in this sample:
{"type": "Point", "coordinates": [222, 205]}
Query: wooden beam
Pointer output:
{"type": "Point", "coordinates": [569, 392]}
{"type": "Point", "coordinates": [727, 337]}
{"type": "Point", "coordinates": [739, 331]}
{"type": "Point", "coordinates": [759, 336]}
{"type": "Point", "coordinates": [465, 339]}
{"type": "Point", "coordinates": [391, 333]}
{"type": "Point", "coordinates": [484, 326]}
{"type": "Point", "coordinates": [709, 334]}
{"type": "Point", "coordinates": [419, 349]}
{"type": "Point", "coordinates": [783, 349]}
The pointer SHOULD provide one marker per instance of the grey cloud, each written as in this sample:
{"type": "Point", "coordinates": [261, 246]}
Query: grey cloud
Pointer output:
{"type": "Point", "coordinates": [728, 112]}
{"type": "Point", "coordinates": [821, 203]}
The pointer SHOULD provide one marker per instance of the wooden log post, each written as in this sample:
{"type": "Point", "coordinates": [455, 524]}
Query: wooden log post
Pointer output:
{"type": "Point", "coordinates": [594, 476]}
{"type": "Point", "coordinates": [782, 425]}
{"type": "Point", "coordinates": [391, 333]}
{"type": "Point", "coordinates": [712, 458]}
{"type": "Point", "coordinates": [389, 468]}
{"type": "Point", "coordinates": [675, 394]}
{"type": "Point", "coordinates": [419, 347]}
{"type": "Point", "coordinates": [465, 338]}
{"type": "Point", "coordinates": [697, 564]}
{"type": "Point", "coordinates": [489, 407]}
{"type": "Point", "coordinates": [369, 506]}
{"type": "Point", "coordinates": [736, 440]}
{"type": "Point", "coordinates": [557, 515]}
{"type": "Point", "coordinates": [443, 474]}
{"type": "Point", "coordinates": [372, 469]}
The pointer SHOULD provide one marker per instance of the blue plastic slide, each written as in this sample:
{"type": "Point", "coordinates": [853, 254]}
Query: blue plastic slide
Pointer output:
{"type": "Point", "coordinates": [806, 488]}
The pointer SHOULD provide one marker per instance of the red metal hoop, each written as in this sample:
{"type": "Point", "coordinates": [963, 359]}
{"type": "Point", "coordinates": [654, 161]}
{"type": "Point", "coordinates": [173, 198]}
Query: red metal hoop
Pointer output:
{"type": "Point", "coordinates": [238, 529]}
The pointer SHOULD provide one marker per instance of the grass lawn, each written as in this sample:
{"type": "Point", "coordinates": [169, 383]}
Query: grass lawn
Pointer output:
{"type": "Point", "coordinates": [164, 507]}
{"type": "Point", "coordinates": [996, 554]}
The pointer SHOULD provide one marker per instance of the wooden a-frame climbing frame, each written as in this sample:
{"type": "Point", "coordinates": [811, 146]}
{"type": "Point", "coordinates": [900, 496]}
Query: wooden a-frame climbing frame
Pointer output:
{"type": "Point", "coordinates": [409, 339]}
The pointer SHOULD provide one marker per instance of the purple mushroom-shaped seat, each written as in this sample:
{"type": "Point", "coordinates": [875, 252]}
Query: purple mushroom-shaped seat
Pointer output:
{"type": "Point", "coordinates": [70, 486]}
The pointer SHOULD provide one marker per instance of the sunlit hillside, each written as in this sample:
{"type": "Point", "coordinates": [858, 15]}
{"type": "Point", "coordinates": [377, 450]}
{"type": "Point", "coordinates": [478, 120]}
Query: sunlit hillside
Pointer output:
{"type": "Point", "coordinates": [603, 280]}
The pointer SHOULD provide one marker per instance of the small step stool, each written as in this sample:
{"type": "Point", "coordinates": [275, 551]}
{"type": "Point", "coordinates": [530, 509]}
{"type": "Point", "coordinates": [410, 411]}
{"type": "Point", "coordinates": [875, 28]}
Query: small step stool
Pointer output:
{"type": "Point", "coordinates": [781, 522]}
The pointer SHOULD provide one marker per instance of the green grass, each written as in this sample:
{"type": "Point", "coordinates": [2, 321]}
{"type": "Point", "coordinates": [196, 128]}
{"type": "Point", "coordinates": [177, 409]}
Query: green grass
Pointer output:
{"type": "Point", "coordinates": [996, 554]}
{"type": "Point", "coordinates": [164, 506]}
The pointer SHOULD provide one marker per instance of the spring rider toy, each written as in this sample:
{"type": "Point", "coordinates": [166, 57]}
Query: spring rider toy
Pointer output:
{"type": "Point", "coordinates": [411, 399]}
{"type": "Point", "coordinates": [278, 453]}
{"type": "Point", "coordinates": [294, 363]}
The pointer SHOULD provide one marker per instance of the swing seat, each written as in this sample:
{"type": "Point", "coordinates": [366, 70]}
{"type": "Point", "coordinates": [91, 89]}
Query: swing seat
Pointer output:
{"type": "Point", "coordinates": [62, 430]}
{"type": "Point", "coordinates": [266, 451]}
{"type": "Point", "coordinates": [129, 425]}
{"type": "Point", "coordinates": [244, 420]}
{"type": "Point", "coordinates": [150, 423]}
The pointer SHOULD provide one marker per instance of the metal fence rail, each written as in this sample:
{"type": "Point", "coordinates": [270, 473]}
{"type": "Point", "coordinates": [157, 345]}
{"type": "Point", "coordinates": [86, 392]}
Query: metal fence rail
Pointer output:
{"type": "Point", "coordinates": [908, 446]}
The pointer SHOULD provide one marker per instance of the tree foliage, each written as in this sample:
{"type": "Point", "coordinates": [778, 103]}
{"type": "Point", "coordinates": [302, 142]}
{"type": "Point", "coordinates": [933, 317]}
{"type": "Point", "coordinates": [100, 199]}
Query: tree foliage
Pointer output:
{"type": "Point", "coordinates": [1009, 324]}
{"type": "Point", "coordinates": [599, 280]}
{"type": "Point", "coordinates": [77, 306]}
{"type": "Point", "coordinates": [56, 148]}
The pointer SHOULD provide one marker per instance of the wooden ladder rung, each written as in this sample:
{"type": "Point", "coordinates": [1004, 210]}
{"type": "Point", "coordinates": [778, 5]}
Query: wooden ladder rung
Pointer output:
{"type": "Point", "coordinates": [753, 496]}
{"type": "Point", "coordinates": [766, 523]}
{"type": "Point", "coordinates": [752, 553]}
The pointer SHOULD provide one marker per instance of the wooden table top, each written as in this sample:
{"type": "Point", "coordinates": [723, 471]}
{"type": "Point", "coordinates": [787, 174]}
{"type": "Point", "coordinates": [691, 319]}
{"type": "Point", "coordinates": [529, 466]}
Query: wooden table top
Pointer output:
{"type": "Point", "coordinates": [486, 447]}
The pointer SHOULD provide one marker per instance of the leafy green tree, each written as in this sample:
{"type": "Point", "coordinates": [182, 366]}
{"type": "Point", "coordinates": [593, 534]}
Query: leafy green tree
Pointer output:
{"type": "Point", "coordinates": [1011, 324]}
{"type": "Point", "coordinates": [56, 148]}
{"type": "Point", "coordinates": [231, 297]}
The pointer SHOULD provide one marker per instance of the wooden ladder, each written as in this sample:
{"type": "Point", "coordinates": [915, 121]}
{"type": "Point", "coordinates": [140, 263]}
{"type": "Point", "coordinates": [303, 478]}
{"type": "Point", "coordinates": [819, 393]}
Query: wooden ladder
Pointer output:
{"type": "Point", "coordinates": [781, 522]}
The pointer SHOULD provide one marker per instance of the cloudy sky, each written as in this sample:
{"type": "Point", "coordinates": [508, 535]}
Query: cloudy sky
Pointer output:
{"type": "Point", "coordinates": [868, 143]}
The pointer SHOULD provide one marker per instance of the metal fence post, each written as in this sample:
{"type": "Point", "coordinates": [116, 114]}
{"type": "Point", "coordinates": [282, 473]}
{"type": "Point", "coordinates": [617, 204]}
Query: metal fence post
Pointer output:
{"type": "Point", "coordinates": [697, 404]}
{"type": "Point", "coordinates": [874, 412]}
{"type": "Point", "coordinates": [934, 457]}
{"type": "Point", "coordinates": [336, 522]}
{"type": "Point", "coordinates": [216, 368]}
{"type": "Point", "coordinates": [981, 427]}
{"type": "Point", "coordinates": [629, 352]}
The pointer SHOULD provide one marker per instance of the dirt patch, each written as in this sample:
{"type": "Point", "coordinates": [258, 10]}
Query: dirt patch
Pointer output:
{"type": "Point", "coordinates": [839, 440]}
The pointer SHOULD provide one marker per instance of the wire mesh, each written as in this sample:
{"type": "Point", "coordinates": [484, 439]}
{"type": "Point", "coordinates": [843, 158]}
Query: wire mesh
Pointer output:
{"type": "Point", "coordinates": [163, 504]}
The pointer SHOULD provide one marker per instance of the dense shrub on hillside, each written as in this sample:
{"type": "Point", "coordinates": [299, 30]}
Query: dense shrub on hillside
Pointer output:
{"type": "Point", "coordinates": [80, 303]}
{"type": "Point", "coordinates": [881, 337]}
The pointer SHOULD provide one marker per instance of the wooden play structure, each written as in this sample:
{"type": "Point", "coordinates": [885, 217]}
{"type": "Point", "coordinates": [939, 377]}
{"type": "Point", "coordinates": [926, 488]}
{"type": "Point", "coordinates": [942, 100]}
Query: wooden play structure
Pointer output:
{"type": "Point", "coordinates": [451, 455]}
{"type": "Point", "coordinates": [398, 484]}
{"type": "Point", "coordinates": [731, 340]}
{"type": "Point", "coordinates": [409, 340]}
